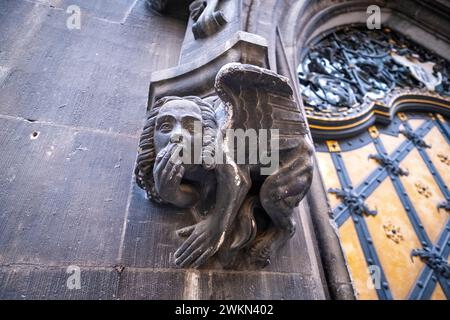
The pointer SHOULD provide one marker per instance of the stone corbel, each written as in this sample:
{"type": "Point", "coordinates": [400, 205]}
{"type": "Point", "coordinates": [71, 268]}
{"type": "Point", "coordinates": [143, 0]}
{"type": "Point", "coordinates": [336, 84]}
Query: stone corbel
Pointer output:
{"type": "Point", "coordinates": [197, 77]}
{"type": "Point", "coordinates": [244, 209]}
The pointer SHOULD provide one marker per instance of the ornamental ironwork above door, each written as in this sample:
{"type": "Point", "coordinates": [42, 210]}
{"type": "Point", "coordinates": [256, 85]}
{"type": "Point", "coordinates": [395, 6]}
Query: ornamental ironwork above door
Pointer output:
{"type": "Point", "coordinates": [378, 106]}
{"type": "Point", "coordinates": [354, 77]}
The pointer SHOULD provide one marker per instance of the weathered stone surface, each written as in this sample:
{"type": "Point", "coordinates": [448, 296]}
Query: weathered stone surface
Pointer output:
{"type": "Point", "coordinates": [67, 196]}
{"type": "Point", "coordinates": [150, 238]}
{"type": "Point", "coordinates": [260, 285]}
{"type": "Point", "coordinates": [37, 283]}
{"type": "Point", "coordinates": [95, 77]}
{"type": "Point", "coordinates": [63, 193]}
{"type": "Point", "coordinates": [138, 284]}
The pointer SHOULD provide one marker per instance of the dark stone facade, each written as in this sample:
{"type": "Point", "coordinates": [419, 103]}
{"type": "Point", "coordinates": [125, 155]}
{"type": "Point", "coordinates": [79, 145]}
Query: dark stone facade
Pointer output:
{"type": "Point", "coordinates": [72, 106]}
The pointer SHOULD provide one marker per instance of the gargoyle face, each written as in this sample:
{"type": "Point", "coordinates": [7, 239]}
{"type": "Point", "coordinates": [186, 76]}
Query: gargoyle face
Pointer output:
{"type": "Point", "coordinates": [178, 121]}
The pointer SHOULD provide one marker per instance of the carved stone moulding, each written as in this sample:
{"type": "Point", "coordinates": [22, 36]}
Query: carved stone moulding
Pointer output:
{"type": "Point", "coordinates": [353, 77]}
{"type": "Point", "coordinates": [197, 77]}
{"type": "Point", "coordinates": [378, 112]}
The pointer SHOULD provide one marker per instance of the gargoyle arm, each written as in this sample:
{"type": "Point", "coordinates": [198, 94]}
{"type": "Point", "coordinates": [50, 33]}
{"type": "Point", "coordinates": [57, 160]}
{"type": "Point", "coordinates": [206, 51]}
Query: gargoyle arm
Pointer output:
{"type": "Point", "coordinates": [233, 183]}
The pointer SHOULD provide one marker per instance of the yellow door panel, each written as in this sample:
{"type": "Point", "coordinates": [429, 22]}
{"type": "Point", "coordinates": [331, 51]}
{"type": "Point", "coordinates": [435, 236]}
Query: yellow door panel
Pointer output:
{"type": "Point", "coordinates": [424, 194]}
{"type": "Point", "coordinates": [358, 164]}
{"type": "Point", "coordinates": [391, 143]}
{"type": "Point", "coordinates": [356, 262]}
{"type": "Point", "coordinates": [415, 123]}
{"type": "Point", "coordinates": [394, 239]}
{"type": "Point", "coordinates": [439, 153]}
{"type": "Point", "coordinates": [388, 238]}
{"type": "Point", "coordinates": [329, 175]}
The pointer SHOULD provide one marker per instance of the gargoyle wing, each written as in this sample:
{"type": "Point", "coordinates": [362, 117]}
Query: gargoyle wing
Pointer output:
{"type": "Point", "coordinates": [257, 98]}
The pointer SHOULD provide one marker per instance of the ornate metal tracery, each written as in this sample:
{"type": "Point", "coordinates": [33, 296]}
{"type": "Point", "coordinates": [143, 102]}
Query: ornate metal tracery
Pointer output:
{"type": "Point", "coordinates": [350, 77]}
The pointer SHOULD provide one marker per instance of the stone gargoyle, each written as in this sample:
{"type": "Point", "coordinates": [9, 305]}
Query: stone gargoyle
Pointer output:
{"type": "Point", "coordinates": [242, 205]}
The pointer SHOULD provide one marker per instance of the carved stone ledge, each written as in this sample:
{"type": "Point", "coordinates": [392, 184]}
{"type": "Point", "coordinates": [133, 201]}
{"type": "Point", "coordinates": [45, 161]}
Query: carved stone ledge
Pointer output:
{"type": "Point", "coordinates": [197, 77]}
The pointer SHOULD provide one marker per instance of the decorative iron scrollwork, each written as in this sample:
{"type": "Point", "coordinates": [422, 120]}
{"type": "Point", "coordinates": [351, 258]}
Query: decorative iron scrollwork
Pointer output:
{"type": "Point", "coordinates": [351, 75]}
{"type": "Point", "coordinates": [353, 201]}
{"type": "Point", "coordinates": [423, 189]}
{"type": "Point", "coordinates": [434, 260]}
{"type": "Point", "coordinates": [390, 164]}
{"type": "Point", "coordinates": [393, 232]}
{"type": "Point", "coordinates": [414, 138]}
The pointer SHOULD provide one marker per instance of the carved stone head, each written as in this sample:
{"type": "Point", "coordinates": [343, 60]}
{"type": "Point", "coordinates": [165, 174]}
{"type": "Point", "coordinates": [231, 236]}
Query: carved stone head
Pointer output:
{"type": "Point", "coordinates": [172, 121]}
{"type": "Point", "coordinates": [177, 122]}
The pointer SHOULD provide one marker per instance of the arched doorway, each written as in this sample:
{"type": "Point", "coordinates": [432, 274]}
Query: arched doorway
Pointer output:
{"type": "Point", "coordinates": [377, 105]}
